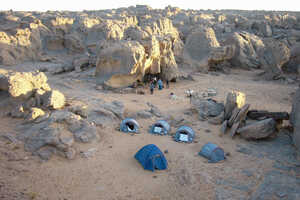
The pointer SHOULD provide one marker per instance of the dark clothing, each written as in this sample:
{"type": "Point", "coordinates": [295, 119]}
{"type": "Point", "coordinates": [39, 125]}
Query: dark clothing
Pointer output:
{"type": "Point", "coordinates": [151, 87]}
{"type": "Point", "coordinates": [167, 83]}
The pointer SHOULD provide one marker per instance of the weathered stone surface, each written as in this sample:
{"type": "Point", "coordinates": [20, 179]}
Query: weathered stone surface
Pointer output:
{"type": "Point", "coordinates": [45, 153]}
{"type": "Point", "coordinates": [23, 84]}
{"type": "Point", "coordinates": [70, 153]}
{"type": "Point", "coordinates": [18, 112]}
{"type": "Point", "coordinates": [234, 128]}
{"type": "Point", "coordinates": [43, 137]}
{"type": "Point", "coordinates": [223, 128]}
{"type": "Point", "coordinates": [59, 131]}
{"type": "Point", "coordinates": [154, 110]}
{"type": "Point", "coordinates": [258, 130]}
{"type": "Point", "coordinates": [116, 107]}
{"type": "Point", "coordinates": [293, 65]}
{"type": "Point", "coordinates": [53, 99]}
{"type": "Point", "coordinates": [207, 108]}
{"type": "Point", "coordinates": [262, 28]}
{"type": "Point", "coordinates": [198, 46]}
{"type": "Point", "coordinates": [35, 113]}
{"type": "Point", "coordinates": [277, 184]}
{"type": "Point", "coordinates": [234, 99]}
{"type": "Point", "coordinates": [217, 120]}
{"type": "Point", "coordinates": [275, 55]}
{"type": "Point", "coordinates": [246, 46]}
{"type": "Point", "coordinates": [79, 108]}
{"type": "Point", "coordinates": [85, 133]}
{"type": "Point", "coordinates": [144, 114]}
{"type": "Point", "coordinates": [238, 115]}
{"type": "Point", "coordinates": [81, 62]}
{"type": "Point", "coordinates": [234, 115]}
{"type": "Point", "coordinates": [295, 118]}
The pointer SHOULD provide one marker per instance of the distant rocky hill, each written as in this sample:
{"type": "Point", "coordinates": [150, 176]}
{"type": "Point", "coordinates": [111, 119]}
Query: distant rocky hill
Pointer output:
{"type": "Point", "coordinates": [139, 40]}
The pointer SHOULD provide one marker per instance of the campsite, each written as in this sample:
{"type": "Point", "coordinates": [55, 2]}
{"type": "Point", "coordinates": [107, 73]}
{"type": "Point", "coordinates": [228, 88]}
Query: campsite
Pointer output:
{"type": "Point", "coordinates": [78, 120]}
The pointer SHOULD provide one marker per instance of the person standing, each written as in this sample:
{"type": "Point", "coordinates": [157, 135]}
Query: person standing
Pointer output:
{"type": "Point", "coordinates": [160, 84]}
{"type": "Point", "coordinates": [151, 87]}
{"type": "Point", "coordinates": [154, 81]}
{"type": "Point", "coordinates": [167, 83]}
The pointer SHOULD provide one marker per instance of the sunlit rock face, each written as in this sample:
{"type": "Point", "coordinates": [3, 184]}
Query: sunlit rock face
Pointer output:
{"type": "Point", "coordinates": [152, 41]}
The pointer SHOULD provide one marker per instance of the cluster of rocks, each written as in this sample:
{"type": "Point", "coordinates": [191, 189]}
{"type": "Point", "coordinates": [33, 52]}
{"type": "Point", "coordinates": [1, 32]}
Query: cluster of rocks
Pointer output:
{"type": "Point", "coordinates": [29, 92]}
{"type": "Point", "coordinates": [235, 117]}
{"type": "Point", "coordinates": [126, 43]}
{"type": "Point", "coordinates": [52, 125]}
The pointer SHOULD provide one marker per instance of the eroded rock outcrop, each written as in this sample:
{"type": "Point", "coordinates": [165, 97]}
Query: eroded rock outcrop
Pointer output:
{"type": "Point", "coordinates": [246, 47]}
{"type": "Point", "coordinates": [28, 90]}
{"type": "Point", "coordinates": [203, 40]}
{"type": "Point", "coordinates": [122, 63]}
{"type": "Point", "coordinates": [295, 118]}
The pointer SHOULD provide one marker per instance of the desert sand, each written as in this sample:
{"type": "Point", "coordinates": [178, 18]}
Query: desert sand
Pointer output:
{"type": "Point", "coordinates": [113, 173]}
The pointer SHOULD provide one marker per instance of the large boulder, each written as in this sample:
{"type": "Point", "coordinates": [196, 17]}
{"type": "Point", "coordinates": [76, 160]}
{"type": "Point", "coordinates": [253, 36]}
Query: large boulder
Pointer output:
{"type": "Point", "coordinates": [121, 63]}
{"type": "Point", "coordinates": [295, 118]}
{"type": "Point", "coordinates": [59, 132]}
{"type": "Point", "coordinates": [293, 65]}
{"type": "Point", "coordinates": [258, 130]}
{"type": "Point", "coordinates": [206, 107]}
{"type": "Point", "coordinates": [234, 100]}
{"type": "Point", "coordinates": [262, 28]}
{"type": "Point", "coordinates": [53, 99]}
{"type": "Point", "coordinates": [120, 58]}
{"type": "Point", "coordinates": [20, 44]}
{"type": "Point", "coordinates": [24, 84]}
{"type": "Point", "coordinates": [275, 55]}
{"type": "Point", "coordinates": [73, 43]}
{"type": "Point", "coordinates": [198, 46]}
{"type": "Point", "coordinates": [246, 47]}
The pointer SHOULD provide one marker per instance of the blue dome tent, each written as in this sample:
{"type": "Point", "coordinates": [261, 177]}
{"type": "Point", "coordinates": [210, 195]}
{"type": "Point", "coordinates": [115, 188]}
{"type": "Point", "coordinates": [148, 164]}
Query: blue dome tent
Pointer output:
{"type": "Point", "coordinates": [129, 125]}
{"type": "Point", "coordinates": [161, 127]}
{"type": "Point", "coordinates": [184, 134]}
{"type": "Point", "coordinates": [212, 152]}
{"type": "Point", "coordinates": [151, 158]}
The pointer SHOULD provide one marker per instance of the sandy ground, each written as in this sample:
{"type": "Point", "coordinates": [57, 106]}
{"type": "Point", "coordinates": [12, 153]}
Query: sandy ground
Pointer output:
{"type": "Point", "coordinates": [113, 173]}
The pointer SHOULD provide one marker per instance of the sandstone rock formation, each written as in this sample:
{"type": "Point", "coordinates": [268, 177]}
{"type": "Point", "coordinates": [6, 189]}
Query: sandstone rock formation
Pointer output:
{"type": "Point", "coordinates": [170, 38]}
{"type": "Point", "coordinates": [30, 91]}
{"type": "Point", "coordinates": [246, 47]}
{"type": "Point", "coordinates": [295, 118]}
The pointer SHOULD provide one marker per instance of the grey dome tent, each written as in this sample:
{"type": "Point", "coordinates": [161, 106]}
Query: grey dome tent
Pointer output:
{"type": "Point", "coordinates": [151, 158]}
{"type": "Point", "coordinates": [161, 127]}
{"type": "Point", "coordinates": [184, 134]}
{"type": "Point", "coordinates": [129, 125]}
{"type": "Point", "coordinates": [212, 152]}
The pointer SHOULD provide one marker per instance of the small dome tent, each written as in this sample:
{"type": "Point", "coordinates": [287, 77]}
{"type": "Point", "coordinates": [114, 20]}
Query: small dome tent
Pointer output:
{"type": "Point", "coordinates": [161, 127]}
{"type": "Point", "coordinates": [184, 134]}
{"type": "Point", "coordinates": [129, 125]}
{"type": "Point", "coordinates": [212, 152]}
{"type": "Point", "coordinates": [151, 158]}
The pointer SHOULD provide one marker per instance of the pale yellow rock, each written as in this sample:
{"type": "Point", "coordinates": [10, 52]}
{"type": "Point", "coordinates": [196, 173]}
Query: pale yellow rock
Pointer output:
{"type": "Point", "coordinates": [35, 113]}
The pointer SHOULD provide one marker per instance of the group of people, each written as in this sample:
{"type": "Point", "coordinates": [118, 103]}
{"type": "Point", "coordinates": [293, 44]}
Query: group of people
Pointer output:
{"type": "Point", "coordinates": [154, 82]}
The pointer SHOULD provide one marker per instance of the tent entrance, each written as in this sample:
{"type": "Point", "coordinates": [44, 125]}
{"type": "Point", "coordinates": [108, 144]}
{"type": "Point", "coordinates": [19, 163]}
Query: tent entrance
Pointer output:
{"type": "Point", "coordinates": [156, 160]}
{"type": "Point", "coordinates": [183, 136]}
{"type": "Point", "coordinates": [158, 128]}
{"type": "Point", "coordinates": [130, 126]}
